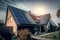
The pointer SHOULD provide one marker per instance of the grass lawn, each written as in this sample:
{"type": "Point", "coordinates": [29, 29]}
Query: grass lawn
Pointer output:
{"type": "Point", "coordinates": [53, 36]}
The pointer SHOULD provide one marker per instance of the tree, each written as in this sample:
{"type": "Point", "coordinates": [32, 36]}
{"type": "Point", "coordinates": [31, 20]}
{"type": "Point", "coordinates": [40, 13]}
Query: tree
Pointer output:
{"type": "Point", "coordinates": [24, 34]}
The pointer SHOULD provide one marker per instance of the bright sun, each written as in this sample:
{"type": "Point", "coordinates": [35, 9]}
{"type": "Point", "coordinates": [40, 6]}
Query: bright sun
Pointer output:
{"type": "Point", "coordinates": [39, 10]}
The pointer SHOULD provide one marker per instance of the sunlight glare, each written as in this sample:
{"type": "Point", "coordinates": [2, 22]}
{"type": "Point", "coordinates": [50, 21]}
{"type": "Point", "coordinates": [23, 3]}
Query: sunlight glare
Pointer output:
{"type": "Point", "coordinates": [39, 10]}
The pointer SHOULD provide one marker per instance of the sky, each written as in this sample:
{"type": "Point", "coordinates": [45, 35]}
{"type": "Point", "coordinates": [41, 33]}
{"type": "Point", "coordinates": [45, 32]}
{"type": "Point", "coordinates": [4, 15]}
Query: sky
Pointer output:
{"type": "Point", "coordinates": [37, 7]}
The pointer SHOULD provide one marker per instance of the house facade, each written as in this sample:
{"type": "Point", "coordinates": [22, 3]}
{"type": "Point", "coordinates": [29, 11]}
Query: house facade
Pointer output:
{"type": "Point", "coordinates": [17, 19]}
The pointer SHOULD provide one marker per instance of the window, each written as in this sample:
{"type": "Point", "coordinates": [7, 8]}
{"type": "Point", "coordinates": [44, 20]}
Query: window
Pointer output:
{"type": "Point", "coordinates": [11, 18]}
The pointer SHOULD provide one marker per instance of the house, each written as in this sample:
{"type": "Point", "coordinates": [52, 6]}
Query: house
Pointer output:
{"type": "Point", "coordinates": [19, 19]}
{"type": "Point", "coordinates": [42, 20]}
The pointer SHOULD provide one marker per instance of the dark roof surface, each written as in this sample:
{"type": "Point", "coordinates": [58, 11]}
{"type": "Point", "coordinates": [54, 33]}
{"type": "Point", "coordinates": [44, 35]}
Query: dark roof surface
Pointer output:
{"type": "Point", "coordinates": [20, 15]}
{"type": "Point", "coordinates": [44, 19]}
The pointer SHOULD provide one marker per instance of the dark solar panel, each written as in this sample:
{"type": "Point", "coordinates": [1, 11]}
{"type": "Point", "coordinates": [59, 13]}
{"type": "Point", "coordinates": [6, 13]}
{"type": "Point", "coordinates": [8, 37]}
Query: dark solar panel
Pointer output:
{"type": "Point", "coordinates": [22, 21]}
{"type": "Point", "coordinates": [20, 15]}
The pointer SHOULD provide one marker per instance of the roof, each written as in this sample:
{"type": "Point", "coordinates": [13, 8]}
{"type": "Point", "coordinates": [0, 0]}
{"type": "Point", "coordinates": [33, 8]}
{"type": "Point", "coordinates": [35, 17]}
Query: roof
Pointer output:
{"type": "Point", "coordinates": [21, 16]}
{"type": "Point", "coordinates": [38, 17]}
{"type": "Point", "coordinates": [44, 19]}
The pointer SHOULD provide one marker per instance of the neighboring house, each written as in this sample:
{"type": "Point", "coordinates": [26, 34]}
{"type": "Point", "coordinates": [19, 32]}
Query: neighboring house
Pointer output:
{"type": "Point", "coordinates": [18, 19]}
{"type": "Point", "coordinates": [48, 24]}
{"type": "Point", "coordinates": [42, 20]}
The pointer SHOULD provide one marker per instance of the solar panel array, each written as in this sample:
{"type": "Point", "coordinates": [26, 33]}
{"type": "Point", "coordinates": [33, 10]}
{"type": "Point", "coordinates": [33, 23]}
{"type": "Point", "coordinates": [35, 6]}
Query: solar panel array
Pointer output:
{"type": "Point", "coordinates": [20, 15]}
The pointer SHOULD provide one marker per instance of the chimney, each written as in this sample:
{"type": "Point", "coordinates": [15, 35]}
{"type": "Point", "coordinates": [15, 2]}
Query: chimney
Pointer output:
{"type": "Point", "coordinates": [29, 11]}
